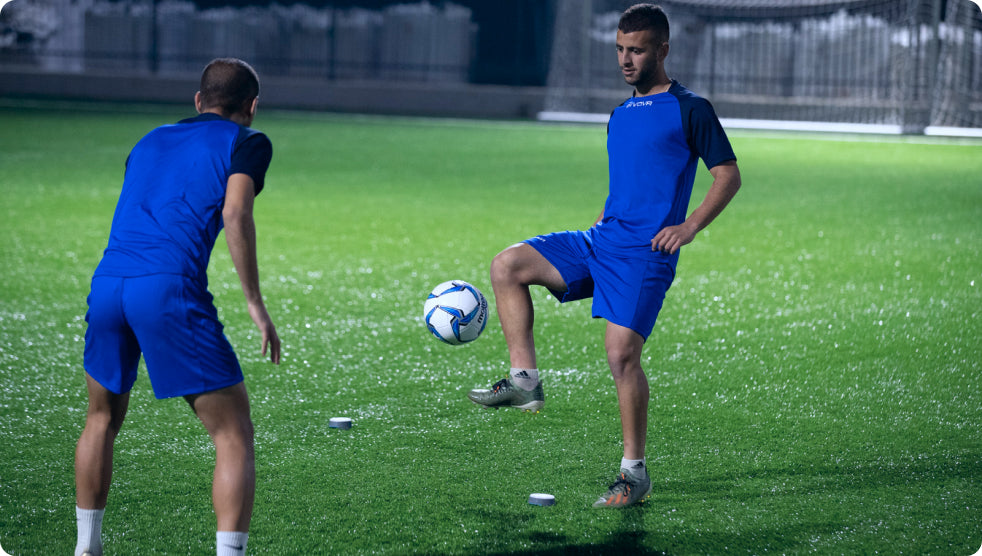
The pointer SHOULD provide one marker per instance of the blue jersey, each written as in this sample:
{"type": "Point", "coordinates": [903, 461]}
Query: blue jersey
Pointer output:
{"type": "Point", "coordinates": [169, 212]}
{"type": "Point", "coordinates": [653, 145]}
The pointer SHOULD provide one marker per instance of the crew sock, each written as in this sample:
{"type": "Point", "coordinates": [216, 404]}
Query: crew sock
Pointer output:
{"type": "Point", "coordinates": [631, 464]}
{"type": "Point", "coordinates": [89, 523]}
{"type": "Point", "coordinates": [526, 379]}
{"type": "Point", "coordinates": [231, 543]}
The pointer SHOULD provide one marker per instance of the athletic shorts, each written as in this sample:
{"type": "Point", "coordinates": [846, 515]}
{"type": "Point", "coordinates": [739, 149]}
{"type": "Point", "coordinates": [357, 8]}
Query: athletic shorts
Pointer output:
{"type": "Point", "coordinates": [172, 321]}
{"type": "Point", "coordinates": [626, 291]}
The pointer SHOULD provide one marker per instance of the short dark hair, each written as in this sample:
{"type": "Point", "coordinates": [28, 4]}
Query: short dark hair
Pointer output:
{"type": "Point", "coordinates": [228, 84]}
{"type": "Point", "coordinates": [645, 17]}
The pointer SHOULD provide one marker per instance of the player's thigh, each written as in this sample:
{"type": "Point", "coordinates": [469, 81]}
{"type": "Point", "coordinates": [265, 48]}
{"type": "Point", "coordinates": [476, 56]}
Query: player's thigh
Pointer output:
{"type": "Point", "coordinates": [567, 256]}
{"type": "Point", "coordinates": [112, 352]}
{"type": "Point", "coordinates": [523, 264]}
{"type": "Point", "coordinates": [183, 341]}
{"type": "Point", "coordinates": [224, 411]}
{"type": "Point", "coordinates": [630, 292]}
{"type": "Point", "coordinates": [106, 406]}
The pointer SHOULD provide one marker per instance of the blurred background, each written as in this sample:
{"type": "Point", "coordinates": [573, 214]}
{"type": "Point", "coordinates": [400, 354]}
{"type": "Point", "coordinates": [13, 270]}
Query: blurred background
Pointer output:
{"type": "Point", "coordinates": [910, 66]}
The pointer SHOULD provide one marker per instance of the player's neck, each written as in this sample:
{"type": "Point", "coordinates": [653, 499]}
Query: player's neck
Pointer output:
{"type": "Point", "coordinates": [658, 86]}
{"type": "Point", "coordinates": [240, 118]}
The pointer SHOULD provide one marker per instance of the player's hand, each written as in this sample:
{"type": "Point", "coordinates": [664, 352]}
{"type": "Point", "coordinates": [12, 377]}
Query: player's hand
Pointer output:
{"type": "Point", "coordinates": [271, 340]}
{"type": "Point", "coordinates": [669, 239]}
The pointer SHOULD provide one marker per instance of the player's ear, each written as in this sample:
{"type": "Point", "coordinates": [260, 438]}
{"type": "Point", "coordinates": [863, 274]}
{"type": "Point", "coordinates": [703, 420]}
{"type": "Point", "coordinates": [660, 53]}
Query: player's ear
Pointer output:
{"type": "Point", "coordinates": [248, 111]}
{"type": "Point", "coordinates": [197, 101]}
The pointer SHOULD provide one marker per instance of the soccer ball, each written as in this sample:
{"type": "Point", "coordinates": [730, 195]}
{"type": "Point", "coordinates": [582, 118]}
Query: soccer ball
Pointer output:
{"type": "Point", "coordinates": [456, 312]}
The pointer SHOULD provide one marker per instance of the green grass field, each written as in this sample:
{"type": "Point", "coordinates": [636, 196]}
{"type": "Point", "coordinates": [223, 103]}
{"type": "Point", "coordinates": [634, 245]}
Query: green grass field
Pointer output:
{"type": "Point", "coordinates": [814, 373]}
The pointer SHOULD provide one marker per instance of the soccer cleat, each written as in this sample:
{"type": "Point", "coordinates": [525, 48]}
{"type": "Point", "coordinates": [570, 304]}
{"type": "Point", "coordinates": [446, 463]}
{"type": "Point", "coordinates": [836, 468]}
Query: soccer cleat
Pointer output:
{"type": "Point", "coordinates": [505, 394]}
{"type": "Point", "coordinates": [631, 487]}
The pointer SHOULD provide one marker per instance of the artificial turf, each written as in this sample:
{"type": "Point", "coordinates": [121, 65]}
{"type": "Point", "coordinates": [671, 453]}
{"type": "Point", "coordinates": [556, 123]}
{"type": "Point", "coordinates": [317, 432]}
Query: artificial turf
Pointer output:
{"type": "Point", "coordinates": [814, 372]}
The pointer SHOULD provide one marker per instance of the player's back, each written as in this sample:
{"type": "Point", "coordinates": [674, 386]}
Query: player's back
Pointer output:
{"type": "Point", "coordinates": [169, 211]}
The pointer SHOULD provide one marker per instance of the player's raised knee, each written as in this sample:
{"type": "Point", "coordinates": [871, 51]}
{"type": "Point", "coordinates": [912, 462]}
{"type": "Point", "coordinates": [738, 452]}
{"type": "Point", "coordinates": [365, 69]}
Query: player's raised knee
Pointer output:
{"type": "Point", "coordinates": [522, 264]}
{"type": "Point", "coordinates": [506, 266]}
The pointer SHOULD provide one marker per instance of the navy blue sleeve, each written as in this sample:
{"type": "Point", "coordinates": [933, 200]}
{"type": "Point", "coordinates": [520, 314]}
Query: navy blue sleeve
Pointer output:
{"type": "Point", "coordinates": [703, 131]}
{"type": "Point", "coordinates": [251, 156]}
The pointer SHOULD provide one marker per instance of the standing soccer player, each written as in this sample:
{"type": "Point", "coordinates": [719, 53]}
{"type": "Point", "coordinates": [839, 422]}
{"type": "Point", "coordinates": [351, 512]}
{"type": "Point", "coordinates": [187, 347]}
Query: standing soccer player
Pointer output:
{"type": "Point", "coordinates": [183, 183]}
{"type": "Point", "coordinates": [626, 261]}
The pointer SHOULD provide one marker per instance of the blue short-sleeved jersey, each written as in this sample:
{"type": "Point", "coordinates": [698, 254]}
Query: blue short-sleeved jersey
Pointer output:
{"type": "Point", "coordinates": [653, 144]}
{"type": "Point", "coordinates": [169, 212]}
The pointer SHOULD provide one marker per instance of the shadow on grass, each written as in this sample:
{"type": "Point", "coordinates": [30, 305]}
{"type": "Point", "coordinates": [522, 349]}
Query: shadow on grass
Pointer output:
{"type": "Point", "coordinates": [627, 538]}
{"type": "Point", "coordinates": [633, 542]}
{"type": "Point", "coordinates": [639, 542]}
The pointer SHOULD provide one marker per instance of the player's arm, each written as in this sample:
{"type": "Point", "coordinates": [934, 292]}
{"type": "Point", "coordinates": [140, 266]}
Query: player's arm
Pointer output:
{"type": "Point", "coordinates": [726, 182]}
{"type": "Point", "coordinates": [240, 233]}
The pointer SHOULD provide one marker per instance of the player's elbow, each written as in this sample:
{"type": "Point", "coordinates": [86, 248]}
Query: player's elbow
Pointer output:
{"type": "Point", "coordinates": [238, 225]}
{"type": "Point", "coordinates": [235, 215]}
{"type": "Point", "coordinates": [727, 175]}
{"type": "Point", "coordinates": [735, 179]}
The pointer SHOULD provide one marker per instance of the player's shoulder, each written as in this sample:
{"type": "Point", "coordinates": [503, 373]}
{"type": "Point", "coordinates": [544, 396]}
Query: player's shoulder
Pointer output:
{"type": "Point", "coordinates": [694, 107]}
{"type": "Point", "coordinates": [244, 135]}
{"type": "Point", "coordinates": [251, 132]}
{"type": "Point", "coordinates": [687, 96]}
{"type": "Point", "coordinates": [254, 140]}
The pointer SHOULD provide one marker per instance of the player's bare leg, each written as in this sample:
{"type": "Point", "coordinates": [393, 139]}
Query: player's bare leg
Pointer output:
{"type": "Point", "coordinates": [624, 357]}
{"type": "Point", "coordinates": [512, 272]}
{"type": "Point", "coordinates": [94, 452]}
{"type": "Point", "coordinates": [94, 463]}
{"type": "Point", "coordinates": [225, 415]}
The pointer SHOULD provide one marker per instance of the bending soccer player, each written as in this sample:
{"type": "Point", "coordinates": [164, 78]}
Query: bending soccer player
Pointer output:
{"type": "Point", "coordinates": [183, 183]}
{"type": "Point", "coordinates": [626, 261]}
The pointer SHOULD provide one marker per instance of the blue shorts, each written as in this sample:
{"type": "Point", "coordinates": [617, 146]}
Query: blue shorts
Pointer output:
{"type": "Point", "coordinates": [626, 291]}
{"type": "Point", "coordinates": [172, 321]}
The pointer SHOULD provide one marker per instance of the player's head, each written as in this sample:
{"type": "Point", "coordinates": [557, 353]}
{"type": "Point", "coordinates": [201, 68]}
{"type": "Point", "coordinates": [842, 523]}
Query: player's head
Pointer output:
{"type": "Point", "coordinates": [645, 17]}
{"type": "Point", "coordinates": [642, 46]}
{"type": "Point", "coordinates": [230, 87]}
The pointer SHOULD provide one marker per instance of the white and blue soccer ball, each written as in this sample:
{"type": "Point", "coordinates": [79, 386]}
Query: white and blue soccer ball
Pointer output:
{"type": "Point", "coordinates": [456, 312]}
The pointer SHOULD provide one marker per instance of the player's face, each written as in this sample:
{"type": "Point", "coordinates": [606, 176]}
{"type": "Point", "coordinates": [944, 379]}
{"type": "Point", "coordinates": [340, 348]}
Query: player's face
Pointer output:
{"type": "Point", "coordinates": [640, 57]}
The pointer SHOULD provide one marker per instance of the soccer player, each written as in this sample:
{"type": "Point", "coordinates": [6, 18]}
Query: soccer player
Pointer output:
{"type": "Point", "coordinates": [182, 184]}
{"type": "Point", "coordinates": [626, 261]}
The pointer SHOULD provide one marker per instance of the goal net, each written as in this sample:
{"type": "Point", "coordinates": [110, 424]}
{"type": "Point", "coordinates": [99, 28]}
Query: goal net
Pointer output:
{"type": "Point", "coordinates": [908, 66]}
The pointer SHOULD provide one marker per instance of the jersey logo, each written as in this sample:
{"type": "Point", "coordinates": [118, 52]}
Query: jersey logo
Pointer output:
{"type": "Point", "coordinates": [634, 104]}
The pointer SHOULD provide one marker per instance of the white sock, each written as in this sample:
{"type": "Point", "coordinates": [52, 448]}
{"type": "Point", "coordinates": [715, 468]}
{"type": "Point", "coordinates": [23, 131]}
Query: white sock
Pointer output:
{"type": "Point", "coordinates": [89, 523]}
{"type": "Point", "coordinates": [526, 379]}
{"type": "Point", "coordinates": [231, 543]}
{"type": "Point", "coordinates": [631, 463]}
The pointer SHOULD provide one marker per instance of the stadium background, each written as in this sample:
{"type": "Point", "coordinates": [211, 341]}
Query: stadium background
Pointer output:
{"type": "Point", "coordinates": [910, 66]}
